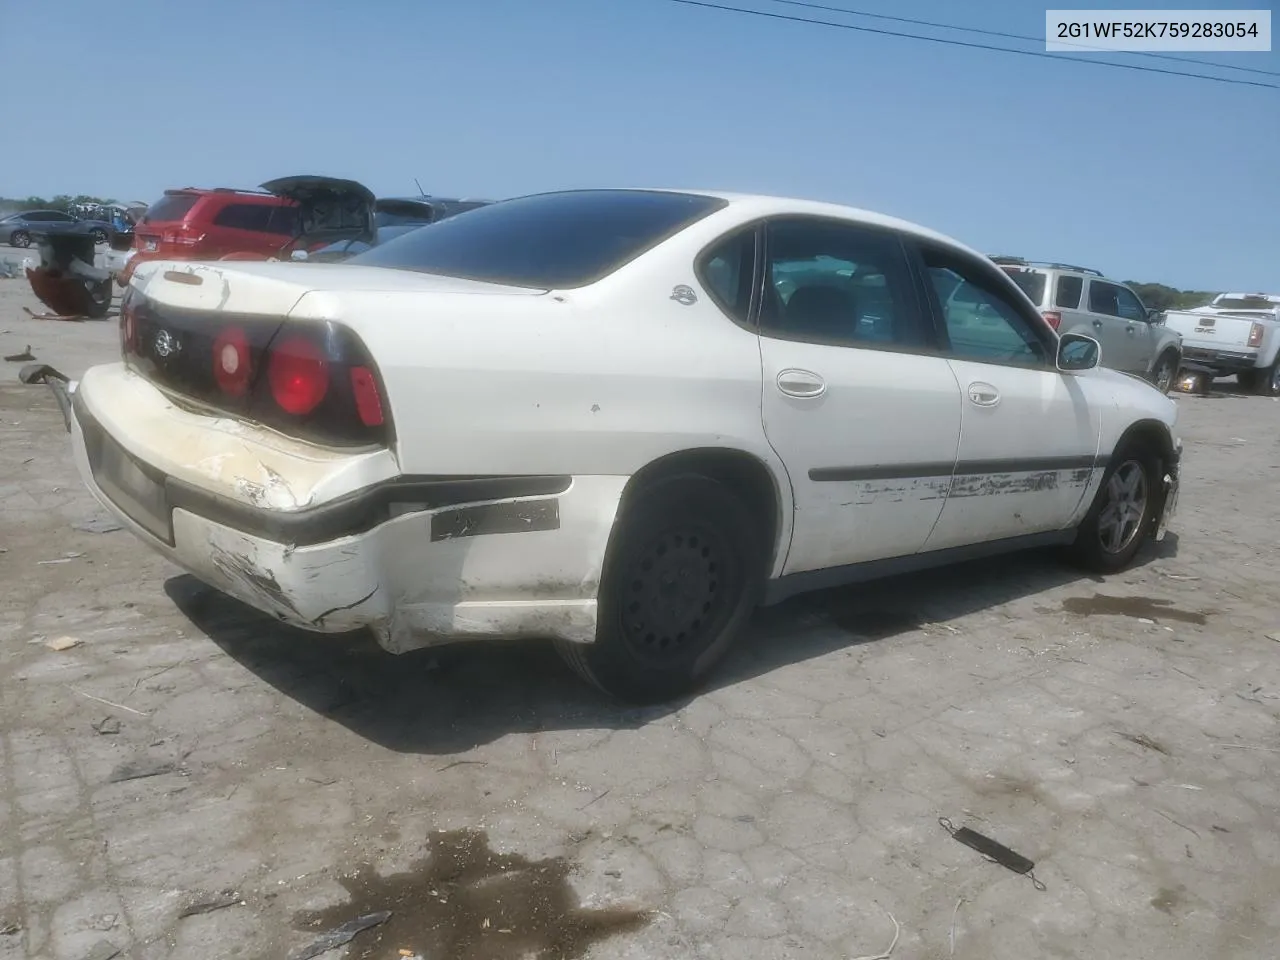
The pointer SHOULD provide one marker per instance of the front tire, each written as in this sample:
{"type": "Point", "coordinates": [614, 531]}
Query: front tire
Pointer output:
{"type": "Point", "coordinates": [19, 238]}
{"type": "Point", "coordinates": [1124, 513]}
{"type": "Point", "coordinates": [1165, 371]}
{"type": "Point", "coordinates": [681, 579]}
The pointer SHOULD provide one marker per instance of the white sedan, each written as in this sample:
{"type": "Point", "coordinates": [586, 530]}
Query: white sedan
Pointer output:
{"type": "Point", "coordinates": [617, 419]}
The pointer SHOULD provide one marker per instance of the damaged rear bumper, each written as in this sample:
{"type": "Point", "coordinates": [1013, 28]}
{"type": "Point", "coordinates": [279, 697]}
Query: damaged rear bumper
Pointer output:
{"type": "Point", "coordinates": [417, 560]}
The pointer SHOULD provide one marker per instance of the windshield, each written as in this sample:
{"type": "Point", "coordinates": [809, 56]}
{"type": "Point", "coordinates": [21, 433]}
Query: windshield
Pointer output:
{"type": "Point", "coordinates": [547, 241]}
{"type": "Point", "coordinates": [1032, 283]}
{"type": "Point", "coordinates": [1245, 303]}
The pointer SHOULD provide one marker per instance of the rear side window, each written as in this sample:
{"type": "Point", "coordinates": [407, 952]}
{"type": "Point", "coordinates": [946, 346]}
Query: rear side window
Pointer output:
{"type": "Point", "coordinates": [1102, 298]}
{"type": "Point", "coordinates": [727, 270]}
{"type": "Point", "coordinates": [546, 241]}
{"type": "Point", "coordinates": [258, 217]}
{"type": "Point", "coordinates": [1032, 284]}
{"type": "Point", "coordinates": [170, 208]}
{"type": "Point", "coordinates": [1069, 290]}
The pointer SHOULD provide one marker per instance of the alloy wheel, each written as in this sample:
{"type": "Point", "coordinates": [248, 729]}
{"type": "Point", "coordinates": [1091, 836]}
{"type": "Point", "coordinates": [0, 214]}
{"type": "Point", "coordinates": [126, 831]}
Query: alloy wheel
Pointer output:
{"type": "Point", "coordinates": [1125, 507]}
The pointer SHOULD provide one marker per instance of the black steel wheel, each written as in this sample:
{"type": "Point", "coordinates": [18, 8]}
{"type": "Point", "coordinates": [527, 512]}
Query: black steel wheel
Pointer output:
{"type": "Point", "coordinates": [682, 577]}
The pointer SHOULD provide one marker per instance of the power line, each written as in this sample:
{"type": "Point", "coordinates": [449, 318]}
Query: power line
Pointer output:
{"type": "Point", "coordinates": [1019, 36]}
{"type": "Point", "coordinates": [974, 46]}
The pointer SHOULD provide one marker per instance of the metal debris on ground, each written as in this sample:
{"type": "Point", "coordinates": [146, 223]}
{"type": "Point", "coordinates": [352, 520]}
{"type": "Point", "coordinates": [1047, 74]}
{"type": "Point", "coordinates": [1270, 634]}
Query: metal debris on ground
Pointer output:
{"type": "Point", "coordinates": [897, 930]}
{"type": "Point", "coordinates": [8, 928]}
{"type": "Point", "coordinates": [40, 373]}
{"type": "Point", "coordinates": [22, 357]}
{"type": "Point", "coordinates": [994, 851]}
{"type": "Point", "coordinates": [209, 904]}
{"type": "Point", "coordinates": [340, 936]}
{"type": "Point", "coordinates": [107, 726]}
{"type": "Point", "coordinates": [96, 525]}
{"type": "Point", "coordinates": [63, 643]}
{"type": "Point", "coordinates": [140, 770]}
{"type": "Point", "coordinates": [77, 318]}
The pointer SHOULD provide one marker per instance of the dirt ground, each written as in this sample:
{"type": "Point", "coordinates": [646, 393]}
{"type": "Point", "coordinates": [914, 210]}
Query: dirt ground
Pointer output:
{"type": "Point", "coordinates": [183, 778]}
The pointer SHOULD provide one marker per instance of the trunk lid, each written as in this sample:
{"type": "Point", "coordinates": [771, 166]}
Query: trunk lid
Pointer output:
{"type": "Point", "coordinates": [329, 208]}
{"type": "Point", "coordinates": [1216, 331]}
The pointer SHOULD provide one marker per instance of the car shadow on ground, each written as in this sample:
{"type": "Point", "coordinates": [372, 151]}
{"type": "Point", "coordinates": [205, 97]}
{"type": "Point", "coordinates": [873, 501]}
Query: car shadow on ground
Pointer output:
{"type": "Point", "coordinates": [450, 699]}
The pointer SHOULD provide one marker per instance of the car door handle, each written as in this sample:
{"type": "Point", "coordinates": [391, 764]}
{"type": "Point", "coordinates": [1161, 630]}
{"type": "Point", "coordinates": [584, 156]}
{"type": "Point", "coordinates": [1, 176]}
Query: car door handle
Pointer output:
{"type": "Point", "coordinates": [1098, 324]}
{"type": "Point", "coordinates": [983, 394]}
{"type": "Point", "coordinates": [801, 383]}
{"type": "Point", "coordinates": [1130, 331]}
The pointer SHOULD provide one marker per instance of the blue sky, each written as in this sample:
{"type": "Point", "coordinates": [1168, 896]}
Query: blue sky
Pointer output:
{"type": "Point", "coordinates": [1143, 176]}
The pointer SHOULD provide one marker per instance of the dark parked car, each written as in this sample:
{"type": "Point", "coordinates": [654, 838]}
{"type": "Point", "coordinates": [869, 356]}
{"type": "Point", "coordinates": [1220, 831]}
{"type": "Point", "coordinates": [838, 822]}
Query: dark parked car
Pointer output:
{"type": "Point", "coordinates": [16, 230]}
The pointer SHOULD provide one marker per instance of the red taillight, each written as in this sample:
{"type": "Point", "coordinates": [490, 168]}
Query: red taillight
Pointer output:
{"type": "Point", "coordinates": [299, 375]}
{"type": "Point", "coordinates": [231, 361]}
{"type": "Point", "coordinates": [1053, 318]}
{"type": "Point", "coordinates": [365, 389]}
{"type": "Point", "coordinates": [1255, 335]}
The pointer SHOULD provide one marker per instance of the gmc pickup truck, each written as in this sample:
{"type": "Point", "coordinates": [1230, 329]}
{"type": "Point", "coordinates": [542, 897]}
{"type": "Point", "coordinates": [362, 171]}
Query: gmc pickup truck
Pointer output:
{"type": "Point", "coordinates": [1238, 333]}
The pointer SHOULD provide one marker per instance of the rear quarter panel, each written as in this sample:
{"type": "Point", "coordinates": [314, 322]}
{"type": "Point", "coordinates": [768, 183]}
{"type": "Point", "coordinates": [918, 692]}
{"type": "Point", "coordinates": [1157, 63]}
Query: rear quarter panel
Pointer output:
{"type": "Point", "coordinates": [600, 380]}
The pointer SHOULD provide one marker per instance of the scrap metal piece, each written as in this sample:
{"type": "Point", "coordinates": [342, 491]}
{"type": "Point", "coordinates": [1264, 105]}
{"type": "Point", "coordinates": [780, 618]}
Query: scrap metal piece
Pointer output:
{"type": "Point", "coordinates": [997, 852]}
{"type": "Point", "coordinates": [67, 281]}
{"type": "Point", "coordinates": [22, 357]}
{"type": "Point", "coordinates": [340, 936]}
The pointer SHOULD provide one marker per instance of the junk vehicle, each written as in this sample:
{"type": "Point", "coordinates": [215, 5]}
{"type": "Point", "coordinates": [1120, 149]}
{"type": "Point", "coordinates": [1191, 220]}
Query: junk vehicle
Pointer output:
{"type": "Point", "coordinates": [67, 280]}
{"type": "Point", "coordinates": [1237, 333]}
{"type": "Point", "coordinates": [615, 419]}
{"type": "Point", "coordinates": [1081, 300]}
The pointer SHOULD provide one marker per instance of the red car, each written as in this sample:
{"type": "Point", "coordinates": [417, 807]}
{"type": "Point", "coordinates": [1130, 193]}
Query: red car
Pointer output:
{"type": "Point", "coordinates": [195, 224]}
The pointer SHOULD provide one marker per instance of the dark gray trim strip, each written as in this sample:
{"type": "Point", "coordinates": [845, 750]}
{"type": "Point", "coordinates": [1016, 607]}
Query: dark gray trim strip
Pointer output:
{"type": "Point", "coordinates": [780, 589]}
{"type": "Point", "coordinates": [965, 468]}
{"type": "Point", "coordinates": [485, 519]}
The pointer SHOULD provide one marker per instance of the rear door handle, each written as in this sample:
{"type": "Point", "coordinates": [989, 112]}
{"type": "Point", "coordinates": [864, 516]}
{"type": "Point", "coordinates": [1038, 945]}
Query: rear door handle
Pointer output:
{"type": "Point", "coordinates": [801, 383]}
{"type": "Point", "coordinates": [1098, 324]}
{"type": "Point", "coordinates": [983, 394]}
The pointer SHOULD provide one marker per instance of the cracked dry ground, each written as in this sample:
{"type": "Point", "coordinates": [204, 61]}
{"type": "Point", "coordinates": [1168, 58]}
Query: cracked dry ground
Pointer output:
{"type": "Point", "coordinates": [1129, 746]}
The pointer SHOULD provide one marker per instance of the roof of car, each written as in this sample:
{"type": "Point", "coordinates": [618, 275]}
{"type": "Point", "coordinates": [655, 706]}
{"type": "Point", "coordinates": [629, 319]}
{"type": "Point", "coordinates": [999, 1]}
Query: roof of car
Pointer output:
{"type": "Point", "coordinates": [765, 205]}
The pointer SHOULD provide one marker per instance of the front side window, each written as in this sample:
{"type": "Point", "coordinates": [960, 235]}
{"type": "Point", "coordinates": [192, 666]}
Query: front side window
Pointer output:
{"type": "Point", "coordinates": [550, 241]}
{"type": "Point", "coordinates": [838, 283]}
{"type": "Point", "coordinates": [1129, 306]}
{"type": "Point", "coordinates": [982, 324]}
{"type": "Point", "coordinates": [1069, 290]}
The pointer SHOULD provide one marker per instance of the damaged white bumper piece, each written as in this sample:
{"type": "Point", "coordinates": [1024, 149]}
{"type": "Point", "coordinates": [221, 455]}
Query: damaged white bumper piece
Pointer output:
{"type": "Point", "coordinates": [333, 541]}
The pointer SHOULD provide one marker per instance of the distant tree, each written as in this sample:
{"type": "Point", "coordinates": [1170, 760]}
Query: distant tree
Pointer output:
{"type": "Point", "coordinates": [62, 201]}
{"type": "Point", "coordinates": [1162, 297]}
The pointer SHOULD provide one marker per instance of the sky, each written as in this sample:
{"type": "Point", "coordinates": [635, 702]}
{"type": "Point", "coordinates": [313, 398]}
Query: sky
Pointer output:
{"type": "Point", "coordinates": [1144, 176]}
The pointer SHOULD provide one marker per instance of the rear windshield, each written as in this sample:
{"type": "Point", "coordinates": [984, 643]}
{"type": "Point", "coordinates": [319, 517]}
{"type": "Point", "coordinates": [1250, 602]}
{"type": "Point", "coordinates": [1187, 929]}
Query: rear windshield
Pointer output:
{"type": "Point", "coordinates": [1032, 284]}
{"type": "Point", "coordinates": [549, 241]}
{"type": "Point", "coordinates": [170, 208]}
{"type": "Point", "coordinates": [1245, 303]}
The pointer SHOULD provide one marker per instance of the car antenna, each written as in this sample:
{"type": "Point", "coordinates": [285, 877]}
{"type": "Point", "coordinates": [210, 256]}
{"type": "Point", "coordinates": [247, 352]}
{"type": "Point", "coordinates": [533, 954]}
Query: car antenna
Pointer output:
{"type": "Point", "coordinates": [421, 192]}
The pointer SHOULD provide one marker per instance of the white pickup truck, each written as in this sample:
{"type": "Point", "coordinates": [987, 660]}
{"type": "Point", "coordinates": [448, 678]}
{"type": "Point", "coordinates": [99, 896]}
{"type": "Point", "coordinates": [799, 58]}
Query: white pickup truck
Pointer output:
{"type": "Point", "coordinates": [1238, 333]}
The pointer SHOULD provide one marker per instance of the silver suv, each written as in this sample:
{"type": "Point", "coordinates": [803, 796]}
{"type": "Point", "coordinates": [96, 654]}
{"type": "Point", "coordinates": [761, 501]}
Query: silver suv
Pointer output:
{"type": "Point", "coordinates": [1080, 300]}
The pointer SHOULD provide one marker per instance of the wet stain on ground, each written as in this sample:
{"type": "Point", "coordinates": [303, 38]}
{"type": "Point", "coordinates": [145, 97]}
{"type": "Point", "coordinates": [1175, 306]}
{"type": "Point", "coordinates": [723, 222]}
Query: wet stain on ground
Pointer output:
{"type": "Point", "coordinates": [1167, 900]}
{"type": "Point", "coordinates": [1102, 605]}
{"type": "Point", "coordinates": [467, 902]}
{"type": "Point", "coordinates": [868, 624]}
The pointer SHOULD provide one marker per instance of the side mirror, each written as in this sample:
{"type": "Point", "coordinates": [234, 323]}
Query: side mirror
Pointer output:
{"type": "Point", "coordinates": [1078, 352]}
{"type": "Point", "coordinates": [1155, 316]}
{"type": "Point", "coordinates": [298, 255]}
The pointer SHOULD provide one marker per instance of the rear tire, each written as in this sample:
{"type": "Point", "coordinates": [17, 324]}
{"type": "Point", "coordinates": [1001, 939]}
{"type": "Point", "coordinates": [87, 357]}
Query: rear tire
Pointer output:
{"type": "Point", "coordinates": [1267, 383]}
{"type": "Point", "coordinates": [20, 238]}
{"type": "Point", "coordinates": [1124, 512]}
{"type": "Point", "coordinates": [1248, 380]}
{"type": "Point", "coordinates": [682, 577]}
